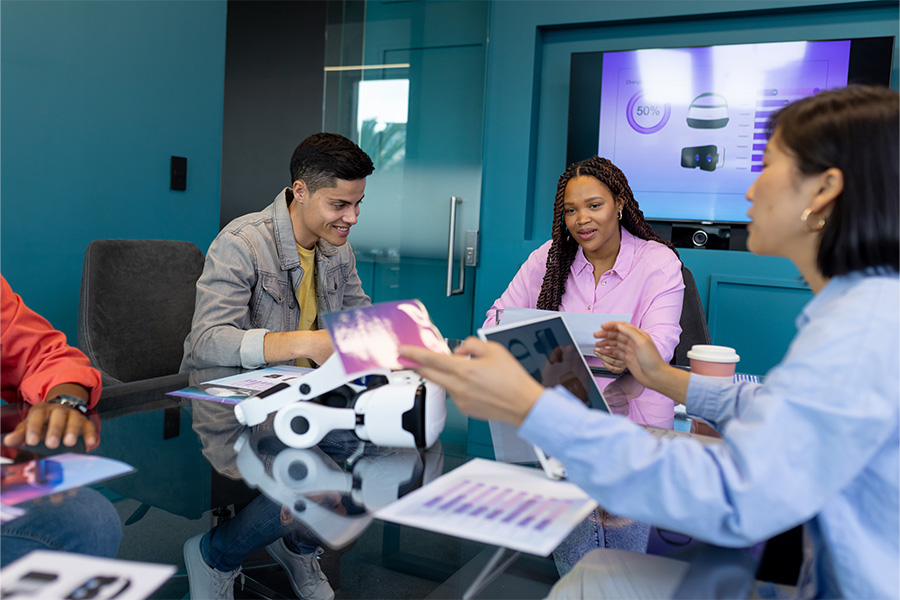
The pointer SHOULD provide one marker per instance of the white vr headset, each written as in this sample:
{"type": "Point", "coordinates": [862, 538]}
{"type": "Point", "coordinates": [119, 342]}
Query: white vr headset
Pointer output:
{"type": "Point", "coordinates": [395, 408]}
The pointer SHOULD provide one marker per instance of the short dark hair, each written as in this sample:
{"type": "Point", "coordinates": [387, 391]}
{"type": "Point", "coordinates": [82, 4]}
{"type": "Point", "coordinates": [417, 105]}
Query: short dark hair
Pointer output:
{"type": "Point", "coordinates": [323, 157]}
{"type": "Point", "coordinates": [854, 129]}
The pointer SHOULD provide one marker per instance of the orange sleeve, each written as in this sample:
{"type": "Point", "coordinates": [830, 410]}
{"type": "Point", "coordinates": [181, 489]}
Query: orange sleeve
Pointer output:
{"type": "Point", "coordinates": [34, 357]}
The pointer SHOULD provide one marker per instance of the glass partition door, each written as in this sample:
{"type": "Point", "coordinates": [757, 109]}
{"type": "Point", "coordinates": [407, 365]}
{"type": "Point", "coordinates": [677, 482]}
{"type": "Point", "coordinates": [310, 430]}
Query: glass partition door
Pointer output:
{"type": "Point", "coordinates": [405, 80]}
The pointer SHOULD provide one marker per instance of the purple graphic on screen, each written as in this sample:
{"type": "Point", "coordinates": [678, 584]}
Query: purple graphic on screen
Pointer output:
{"type": "Point", "coordinates": [652, 117]}
{"type": "Point", "coordinates": [657, 103]}
{"type": "Point", "coordinates": [499, 510]}
{"type": "Point", "coordinates": [562, 507]}
{"type": "Point", "coordinates": [369, 337]}
{"type": "Point", "coordinates": [520, 509]}
{"type": "Point", "coordinates": [491, 503]}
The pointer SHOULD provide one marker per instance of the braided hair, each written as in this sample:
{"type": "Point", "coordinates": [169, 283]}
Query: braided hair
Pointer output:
{"type": "Point", "coordinates": [564, 248]}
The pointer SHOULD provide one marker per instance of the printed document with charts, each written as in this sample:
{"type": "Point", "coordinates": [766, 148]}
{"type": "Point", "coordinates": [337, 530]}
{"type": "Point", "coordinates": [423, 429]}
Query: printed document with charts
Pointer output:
{"type": "Point", "coordinates": [495, 503]}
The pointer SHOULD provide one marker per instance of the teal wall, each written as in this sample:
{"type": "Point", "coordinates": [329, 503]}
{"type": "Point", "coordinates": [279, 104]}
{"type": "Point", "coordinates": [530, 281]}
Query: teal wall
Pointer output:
{"type": "Point", "coordinates": [526, 120]}
{"type": "Point", "coordinates": [95, 98]}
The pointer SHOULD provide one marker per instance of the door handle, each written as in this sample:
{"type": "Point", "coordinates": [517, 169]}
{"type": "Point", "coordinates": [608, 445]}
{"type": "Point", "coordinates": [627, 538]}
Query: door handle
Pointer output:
{"type": "Point", "coordinates": [451, 291]}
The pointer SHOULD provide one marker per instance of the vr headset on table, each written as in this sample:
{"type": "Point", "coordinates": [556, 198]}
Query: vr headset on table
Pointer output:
{"type": "Point", "coordinates": [385, 407]}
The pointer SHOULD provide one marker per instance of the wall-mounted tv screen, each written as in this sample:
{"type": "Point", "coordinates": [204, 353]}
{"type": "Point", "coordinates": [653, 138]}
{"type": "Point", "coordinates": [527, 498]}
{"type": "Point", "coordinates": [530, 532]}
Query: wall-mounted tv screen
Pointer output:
{"type": "Point", "coordinates": [688, 125]}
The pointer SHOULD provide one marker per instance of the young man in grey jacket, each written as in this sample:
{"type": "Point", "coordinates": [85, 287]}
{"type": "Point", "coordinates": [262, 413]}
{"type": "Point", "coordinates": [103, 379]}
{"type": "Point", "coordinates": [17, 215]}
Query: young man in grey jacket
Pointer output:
{"type": "Point", "coordinates": [271, 275]}
{"type": "Point", "coordinates": [268, 279]}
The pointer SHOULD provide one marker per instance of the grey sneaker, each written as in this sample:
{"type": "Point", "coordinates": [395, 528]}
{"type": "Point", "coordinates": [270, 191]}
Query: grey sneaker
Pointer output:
{"type": "Point", "coordinates": [307, 578]}
{"type": "Point", "coordinates": [206, 583]}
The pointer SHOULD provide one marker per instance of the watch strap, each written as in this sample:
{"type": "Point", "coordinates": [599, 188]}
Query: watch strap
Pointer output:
{"type": "Point", "coordinates": [71, 402]}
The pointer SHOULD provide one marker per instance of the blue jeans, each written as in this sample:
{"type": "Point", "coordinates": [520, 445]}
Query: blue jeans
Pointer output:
{"type": "Point", "coordinates": [84, 522]}
{"type": "Point", "coordinates": [259, 524]}
{"type": "Point", "coordinates": [600, 530]}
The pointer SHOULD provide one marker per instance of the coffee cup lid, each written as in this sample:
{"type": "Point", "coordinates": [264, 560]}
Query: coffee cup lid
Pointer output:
{"type": "Point", "coordinates": [716, 354]}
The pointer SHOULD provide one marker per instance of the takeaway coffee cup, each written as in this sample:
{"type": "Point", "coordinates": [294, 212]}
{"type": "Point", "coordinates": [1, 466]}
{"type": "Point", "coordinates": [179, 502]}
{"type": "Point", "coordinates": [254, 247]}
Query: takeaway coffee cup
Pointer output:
{"type": "Point", "coordinates": [713, 361]}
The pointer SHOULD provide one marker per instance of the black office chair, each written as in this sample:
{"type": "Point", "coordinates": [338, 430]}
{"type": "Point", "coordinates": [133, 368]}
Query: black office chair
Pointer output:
{"type": "Point", "coordinates": [136, 306]}
{"type": "Point", "coordinates": [693, 320]}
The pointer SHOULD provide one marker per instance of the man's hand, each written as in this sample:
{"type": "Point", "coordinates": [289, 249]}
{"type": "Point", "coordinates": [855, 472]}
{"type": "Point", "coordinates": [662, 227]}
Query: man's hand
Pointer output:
{"type": "Point", "coordinates": [51, 423]}
{"type": "Point", "coordinates": [318, 346]}
{"type": "Point", "coordinates": [483, 378]}
{"type": "Point", "coordinates": [290, 345]}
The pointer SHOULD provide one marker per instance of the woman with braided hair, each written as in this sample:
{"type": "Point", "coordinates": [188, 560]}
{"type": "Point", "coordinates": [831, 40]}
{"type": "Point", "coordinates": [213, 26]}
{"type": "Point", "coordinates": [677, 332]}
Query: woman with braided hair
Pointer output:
{"type": "Point", "coordinates": [604, 258]}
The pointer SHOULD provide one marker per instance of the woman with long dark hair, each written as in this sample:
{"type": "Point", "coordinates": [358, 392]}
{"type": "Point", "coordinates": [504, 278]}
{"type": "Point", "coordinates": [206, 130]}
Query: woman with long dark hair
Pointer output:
{"type": "Point", "coordinates": [604, 258]}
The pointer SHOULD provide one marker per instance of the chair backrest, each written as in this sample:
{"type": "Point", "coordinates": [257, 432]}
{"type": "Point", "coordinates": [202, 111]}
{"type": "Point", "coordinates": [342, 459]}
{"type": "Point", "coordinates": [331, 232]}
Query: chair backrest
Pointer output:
{"type": "Point", "coordinates": [693, 320]}
{"type": "Point", "coordinates": [136, 306]}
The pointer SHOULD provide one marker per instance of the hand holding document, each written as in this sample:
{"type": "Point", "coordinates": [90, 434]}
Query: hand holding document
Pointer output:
{"type": "Point", "coordinates": [370, 337]}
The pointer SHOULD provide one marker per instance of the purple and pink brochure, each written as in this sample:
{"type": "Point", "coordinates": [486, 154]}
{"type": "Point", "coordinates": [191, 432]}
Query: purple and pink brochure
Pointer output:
{"type": "Point", "coordinates": [57, 473]}
{"type": "Point", "coordinates": [368, 338]}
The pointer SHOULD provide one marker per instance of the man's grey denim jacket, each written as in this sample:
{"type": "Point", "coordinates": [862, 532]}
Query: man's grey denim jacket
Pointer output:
{"type": "Point", "coordinates": [248, 288]}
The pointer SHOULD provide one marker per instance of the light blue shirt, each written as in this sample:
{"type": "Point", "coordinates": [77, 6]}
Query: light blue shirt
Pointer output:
{"type": "Point", "coordinates": [817, 443]}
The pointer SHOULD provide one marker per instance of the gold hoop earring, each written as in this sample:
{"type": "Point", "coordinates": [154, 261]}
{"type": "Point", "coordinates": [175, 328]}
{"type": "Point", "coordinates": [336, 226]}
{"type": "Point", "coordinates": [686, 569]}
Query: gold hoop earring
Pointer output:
{"type": "Point", "coordinates": [620, 215]}
{"type": "Point", "coordinates": [803, 219]}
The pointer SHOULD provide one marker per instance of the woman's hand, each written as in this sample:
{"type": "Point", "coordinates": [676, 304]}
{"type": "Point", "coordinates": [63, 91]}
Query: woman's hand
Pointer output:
{"type": "Point", "coordinates": [612, 364]}
{"type": "Point", "coordinates": [483, 378]}
{"type": "Point", "coordinates": [51, 423]}
{"type": "Point", "coordinates": [635, 348]}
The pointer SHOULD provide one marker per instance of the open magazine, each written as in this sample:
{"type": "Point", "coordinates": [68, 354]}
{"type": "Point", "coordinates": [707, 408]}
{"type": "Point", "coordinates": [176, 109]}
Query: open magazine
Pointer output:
{"type": "Point", "coordinates": [234, 388]}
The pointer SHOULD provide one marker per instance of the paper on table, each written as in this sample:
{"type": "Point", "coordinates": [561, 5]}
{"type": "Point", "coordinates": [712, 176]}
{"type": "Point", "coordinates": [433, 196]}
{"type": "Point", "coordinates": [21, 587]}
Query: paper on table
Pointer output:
{"type": "Point", "coordinates": [58, 473]}
{"type": "Point", "coordinates": [46, 574]}
{"type": "Point", "coordinates": [495, 503]}
{"type": "Point", "coordinates": [234, 388]}
{"type": "Point", "coordinates": [582, 325]}
{"type": "Point", "coordinates": [8, 513]}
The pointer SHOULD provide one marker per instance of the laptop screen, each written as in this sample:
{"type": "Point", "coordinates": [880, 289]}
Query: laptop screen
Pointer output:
{"type": "Point", "coordinates": [547, 350]}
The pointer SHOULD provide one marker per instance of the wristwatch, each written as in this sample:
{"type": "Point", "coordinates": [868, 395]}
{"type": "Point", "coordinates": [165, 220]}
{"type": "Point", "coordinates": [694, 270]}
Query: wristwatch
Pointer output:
{"type": "Point", "coordinates": [71, 401]}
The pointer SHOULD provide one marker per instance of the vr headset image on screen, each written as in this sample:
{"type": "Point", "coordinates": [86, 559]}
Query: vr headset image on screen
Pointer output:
{"type": "Point", "coordinates": [669, 117]}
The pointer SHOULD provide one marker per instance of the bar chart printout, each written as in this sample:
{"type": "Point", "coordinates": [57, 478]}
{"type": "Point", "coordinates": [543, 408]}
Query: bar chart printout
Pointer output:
{"type": "Point", "coordinates": [495, 503]}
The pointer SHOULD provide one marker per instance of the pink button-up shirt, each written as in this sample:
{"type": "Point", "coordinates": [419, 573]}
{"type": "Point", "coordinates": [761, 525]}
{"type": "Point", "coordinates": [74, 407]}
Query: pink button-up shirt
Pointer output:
{"type": "Point", "coordinates": [645, 281]}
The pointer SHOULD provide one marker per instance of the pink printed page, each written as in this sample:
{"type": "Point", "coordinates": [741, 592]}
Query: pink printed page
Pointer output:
{"type": "Point", "coordinates": [369, 337]}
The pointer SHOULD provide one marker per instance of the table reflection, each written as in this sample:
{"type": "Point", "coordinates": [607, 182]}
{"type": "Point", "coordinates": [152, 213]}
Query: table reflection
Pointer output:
{"type": "Point", "coordinates": [626, 397]}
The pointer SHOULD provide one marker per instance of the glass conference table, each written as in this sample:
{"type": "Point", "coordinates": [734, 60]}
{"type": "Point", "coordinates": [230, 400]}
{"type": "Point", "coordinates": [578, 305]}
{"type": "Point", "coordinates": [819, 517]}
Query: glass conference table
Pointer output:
{"type": "Point", "coordinates": [195, 466]}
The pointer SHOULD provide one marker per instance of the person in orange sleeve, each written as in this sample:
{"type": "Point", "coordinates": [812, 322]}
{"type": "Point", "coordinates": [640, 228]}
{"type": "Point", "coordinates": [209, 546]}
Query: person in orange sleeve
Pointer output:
{"type": "Point", "coordinates": [37, 366]}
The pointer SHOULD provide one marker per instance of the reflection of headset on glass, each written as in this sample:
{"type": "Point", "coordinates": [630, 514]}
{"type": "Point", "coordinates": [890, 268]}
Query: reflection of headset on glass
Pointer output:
{"type": "Point", "coordinates": [365, 483]}
{"type": "Point", "coordinates": [395, 408]}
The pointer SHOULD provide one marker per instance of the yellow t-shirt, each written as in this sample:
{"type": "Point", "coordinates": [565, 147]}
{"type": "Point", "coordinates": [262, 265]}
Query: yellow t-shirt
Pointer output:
{"type": "Point", "coordinates": [306, 296]}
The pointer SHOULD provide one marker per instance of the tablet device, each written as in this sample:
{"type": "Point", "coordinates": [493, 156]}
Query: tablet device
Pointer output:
{"type": "Point", "coordinates": [547, 350]}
